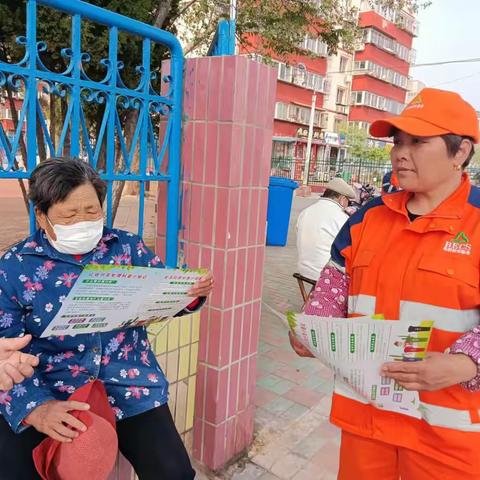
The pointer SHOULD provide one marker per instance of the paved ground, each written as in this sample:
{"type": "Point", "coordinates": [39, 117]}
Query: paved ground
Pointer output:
{"type": "Point", "coordinates": [293, 438]}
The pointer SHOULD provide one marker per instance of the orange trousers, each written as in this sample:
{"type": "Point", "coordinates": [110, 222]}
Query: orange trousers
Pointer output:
{"type": "Point", "coordinates": [366, 459]}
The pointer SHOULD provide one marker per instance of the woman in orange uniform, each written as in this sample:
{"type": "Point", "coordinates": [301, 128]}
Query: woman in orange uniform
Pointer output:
{"type": "Point", "coordinates": [415, 254]}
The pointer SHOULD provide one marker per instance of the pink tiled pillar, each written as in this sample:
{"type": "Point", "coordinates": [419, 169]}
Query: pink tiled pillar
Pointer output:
{"type": "Point", "coordinates": [227, 139]}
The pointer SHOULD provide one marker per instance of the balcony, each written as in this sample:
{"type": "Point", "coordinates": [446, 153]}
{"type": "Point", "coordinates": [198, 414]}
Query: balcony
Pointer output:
{"type": "Point", "coordinates": [406, 22]}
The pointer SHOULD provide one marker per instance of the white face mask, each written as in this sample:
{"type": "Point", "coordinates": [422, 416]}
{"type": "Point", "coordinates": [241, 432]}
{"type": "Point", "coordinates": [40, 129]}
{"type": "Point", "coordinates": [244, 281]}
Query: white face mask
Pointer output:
{"type": "Point", "coordinates": [78, 238]}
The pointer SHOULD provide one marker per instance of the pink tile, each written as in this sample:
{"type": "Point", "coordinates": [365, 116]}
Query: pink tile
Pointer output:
{"type": "Point", "coordinates": [240, 100]}
{"type": "Point", "coordinates": [252, 88]}
{"type": "Point", "coordinates": [214, 87]}
{"type": "Point", "coordinates": [258, 280]}
{"type": "Point", "coordinates": [244, 433]}
{"type": "Point", "coordinates": [198, 427]}
{"type": "Point", "coordinates": [201, 88]}
{"type": "Point", "coordinates": [195, 207]}
{"type": "Point", "coordinates": [221, 218]}
{"type": "Point", "coordinates": [237, 333]}
{"type": "Point", "coordinates": [253, 217]}
{"type": "Point", "coordinates": [207, 219]}
{"type": "Point", "coordinates": [229, 284]}
{"type": "Point", "coordinates": [233, 392]}
{"type": "Point", "coordinates": [211, 153]}
{"type": "Point", "coordinates": [206, 257]}
{"type": "Point", "coordinates": [266, 158]}
{"type": "Point", "coordinates": [246, 328]}
{"type": "Point", "coordinates": [224, 154]}
{"type": "Point", "coordinates": [244, 217]}
{"type": "Point", "coordinates": [262, 216]}
{"type": "Point", "coordinates": [230, 437]}
{"type": "Point", "coordinates": [252, 379]}
{"type": "Point", "coordinates": [218, 270]}
{"type": "Point", "coordinates": [256, 316]}
{"type": "Point", "coordinates": [187, 146]}
{"type": "Point", "coordinates": [192, 258]}
{"type": "Point", "coordinates": [248, 157]}
{"type": "Point", "coordinates": [198, 153]}
{"type": "Point", "coordinates": [243, 385]}
{"type": "Point", "coordinates": [258, 156]}
{"type": "Point", "coordinates": [214, 446]}
{"type": "Point", "coordinates": [263, 396]}
{"type": "Point", "coordinates": [238, 144]}
{"type": "Point", "coordinates": [240, 276]}
{"type": "Point", "coordinates": [215, 398]}
{"type": "Point", "coordinates": [214, 337]}
{"type": "Point", "coordinates": [226, 340]}
{"type": "Point", "coordinates": [233, 217]}
{"type": "Point", "coordinates": [249, 274]}
{"type": "Point", "coordinates": [189, 88]}
{"type": "Point", "coordinates": [227, 91]}
{"type": "Point", "coordinates": [200, 391]}
{"type": "Point", "coordinates": [203, 343]}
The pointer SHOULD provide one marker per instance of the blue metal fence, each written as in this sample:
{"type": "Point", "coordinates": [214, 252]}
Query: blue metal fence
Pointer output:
{"type": "Point", "coordinates": [159, 153]}
{"type": "Point", "coordinates": [224, 41]}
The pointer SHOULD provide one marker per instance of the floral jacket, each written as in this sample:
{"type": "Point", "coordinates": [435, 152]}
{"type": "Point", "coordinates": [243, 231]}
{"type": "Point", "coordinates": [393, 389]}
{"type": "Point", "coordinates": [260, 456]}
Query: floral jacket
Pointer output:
{"type": "Point", "coordinates": [34, 280]}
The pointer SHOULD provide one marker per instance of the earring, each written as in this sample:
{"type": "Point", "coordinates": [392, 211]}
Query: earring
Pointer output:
{"type": "Point", "coordinates": [457, 167]}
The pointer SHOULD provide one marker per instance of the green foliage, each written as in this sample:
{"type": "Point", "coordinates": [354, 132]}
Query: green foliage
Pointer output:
{"type": "Point", "coordinates": [359, 144]}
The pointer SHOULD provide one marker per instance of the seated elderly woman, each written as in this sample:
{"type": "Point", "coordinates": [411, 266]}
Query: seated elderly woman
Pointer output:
{"type": "Point", "coordinates": [36, 275]}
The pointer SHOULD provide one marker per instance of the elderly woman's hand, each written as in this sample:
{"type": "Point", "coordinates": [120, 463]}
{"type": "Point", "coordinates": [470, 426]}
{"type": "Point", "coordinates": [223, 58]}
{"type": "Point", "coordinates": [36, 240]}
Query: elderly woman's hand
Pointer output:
{"type": "Point", "coordinates": [298, 346]}
{"type": "Point", "coordinates": [437, 371]}
{"type": "Point", "coordinates": [203, 287]}
{"type": "Point", "coordinates": [53, 419]}
{"type": "Point", "coordinates": [15, 366]}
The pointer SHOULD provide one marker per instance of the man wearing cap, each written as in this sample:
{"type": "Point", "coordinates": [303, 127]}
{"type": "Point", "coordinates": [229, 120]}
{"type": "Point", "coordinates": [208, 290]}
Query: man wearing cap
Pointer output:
{"type": "Point", "coordinates": [318, 225]}
{"type": "Point", "coordinates": [415, 255]}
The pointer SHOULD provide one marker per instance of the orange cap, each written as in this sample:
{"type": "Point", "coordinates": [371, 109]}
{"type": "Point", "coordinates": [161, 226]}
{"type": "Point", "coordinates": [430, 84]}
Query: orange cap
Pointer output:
{"type": "Point", "coordinates": [432, 112]}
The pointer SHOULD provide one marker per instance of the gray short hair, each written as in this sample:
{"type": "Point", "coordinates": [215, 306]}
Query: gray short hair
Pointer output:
{"type": "Point", "coordinates": [54, 179]}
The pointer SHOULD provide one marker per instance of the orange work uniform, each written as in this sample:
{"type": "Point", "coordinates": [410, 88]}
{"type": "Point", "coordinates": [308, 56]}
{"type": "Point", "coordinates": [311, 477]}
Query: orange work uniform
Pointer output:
{"type": "Point", "coordinates": [427, 269]}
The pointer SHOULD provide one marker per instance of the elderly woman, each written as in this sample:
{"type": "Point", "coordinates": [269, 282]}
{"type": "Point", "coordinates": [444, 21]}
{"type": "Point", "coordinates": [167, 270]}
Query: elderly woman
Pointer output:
{"type": "Point", "coordinates": [36, 275]}
{"type": "Point", "coordinates": [415, 254]}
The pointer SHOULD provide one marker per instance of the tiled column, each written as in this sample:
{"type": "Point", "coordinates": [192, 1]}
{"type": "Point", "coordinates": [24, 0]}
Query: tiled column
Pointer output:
{"type": "Point", "coordinates": [229, 106]}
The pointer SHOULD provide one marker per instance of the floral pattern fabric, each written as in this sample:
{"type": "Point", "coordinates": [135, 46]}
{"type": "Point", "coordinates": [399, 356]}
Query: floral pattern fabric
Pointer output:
{"type": "Point", "coordinates": [34, 280]}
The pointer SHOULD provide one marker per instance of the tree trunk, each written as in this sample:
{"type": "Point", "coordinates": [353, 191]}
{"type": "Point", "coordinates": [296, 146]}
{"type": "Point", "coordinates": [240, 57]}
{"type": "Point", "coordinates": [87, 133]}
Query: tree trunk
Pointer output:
{"type": "Point", "coordinates": [23, 148]}
{"type": "Point", "coordinates": [66, 144]}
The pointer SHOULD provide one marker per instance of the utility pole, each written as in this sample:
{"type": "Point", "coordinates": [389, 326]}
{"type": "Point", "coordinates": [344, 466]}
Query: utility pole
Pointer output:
{"type": "Point", "coordinates": [310, 138]}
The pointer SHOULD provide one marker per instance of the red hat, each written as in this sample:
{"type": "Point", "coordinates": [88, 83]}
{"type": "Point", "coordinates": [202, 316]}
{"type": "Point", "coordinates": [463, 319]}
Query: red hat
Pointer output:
{"type": "Point", "coordinates": [93, 453]}
{"type": "Point", "coordinates": [432, 112]}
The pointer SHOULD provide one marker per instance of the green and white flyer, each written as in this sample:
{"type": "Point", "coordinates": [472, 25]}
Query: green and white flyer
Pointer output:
{"type": "Point", "coordinates": [356, 348]}
{"type": "Point", "coordinates": [108, 297]}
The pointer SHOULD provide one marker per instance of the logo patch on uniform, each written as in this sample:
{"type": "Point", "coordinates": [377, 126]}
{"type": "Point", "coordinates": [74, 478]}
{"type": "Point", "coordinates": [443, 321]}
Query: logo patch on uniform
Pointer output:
{"type": "Point", "coordinates": [460, 244]}
{"type": "Point", "coordinates": [417, 102]}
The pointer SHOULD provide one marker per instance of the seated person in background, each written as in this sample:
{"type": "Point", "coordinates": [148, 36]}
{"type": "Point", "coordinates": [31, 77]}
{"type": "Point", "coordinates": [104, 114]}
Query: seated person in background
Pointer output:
{"type": "Point", "coordinates": [318, 225]}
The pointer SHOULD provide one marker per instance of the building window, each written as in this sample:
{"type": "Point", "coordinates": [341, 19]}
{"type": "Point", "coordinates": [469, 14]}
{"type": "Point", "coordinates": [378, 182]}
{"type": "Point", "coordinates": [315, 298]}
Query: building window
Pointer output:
{"type": "Point", "coordinates": [324, 120]}
{"type": "Point", "coordinates": [284, 72]}
{"type": "Point", "coordinates": [337, 123]}
{"type": "Point", "coordinates": [384, 42]}
{"type": "Point", "coordinates": [340, 99]}
{"type": "Point", "coordinates": [343, 64]}
{"type": "Point", "coordinates": [378, 102]}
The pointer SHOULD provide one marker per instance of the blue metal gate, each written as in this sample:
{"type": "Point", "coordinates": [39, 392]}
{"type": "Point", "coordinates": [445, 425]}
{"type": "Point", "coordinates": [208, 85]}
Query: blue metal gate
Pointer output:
{"type": "Point", "coordinates": [158, 153]}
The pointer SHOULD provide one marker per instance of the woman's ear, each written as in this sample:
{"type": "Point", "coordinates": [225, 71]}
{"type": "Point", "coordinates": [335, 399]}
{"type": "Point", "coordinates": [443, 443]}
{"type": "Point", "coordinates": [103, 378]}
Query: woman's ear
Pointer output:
{"type": "Point", "coordinates": [44, 224]}
{"type": "Point", "coordinates": [463, 151]}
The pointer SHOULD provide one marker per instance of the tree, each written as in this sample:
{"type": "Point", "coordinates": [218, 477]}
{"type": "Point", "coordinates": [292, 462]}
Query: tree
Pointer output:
{"type": "Point", "coordinates": [360, 145]}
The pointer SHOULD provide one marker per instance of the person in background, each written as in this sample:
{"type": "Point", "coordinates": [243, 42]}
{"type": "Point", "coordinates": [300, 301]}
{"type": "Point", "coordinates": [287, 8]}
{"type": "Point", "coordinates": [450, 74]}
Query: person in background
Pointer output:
{"type": "Point", "coordinates": [415, 255]}
{"type": "Point", "coordinates": [15, 366]}
{"type": "Point", "coordinates": [318, 225]}
{"type": "Point", "coordinates": [390, 183]}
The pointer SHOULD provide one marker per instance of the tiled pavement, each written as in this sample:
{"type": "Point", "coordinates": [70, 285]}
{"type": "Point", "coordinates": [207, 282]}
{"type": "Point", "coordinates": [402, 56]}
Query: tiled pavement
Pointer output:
{"type": "Point", "coordinates": [293, 437]}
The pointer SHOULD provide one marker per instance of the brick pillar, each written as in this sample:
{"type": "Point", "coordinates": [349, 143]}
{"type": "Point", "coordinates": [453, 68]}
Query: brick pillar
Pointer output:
{"type": "Point", "coordinates": [229, 106]}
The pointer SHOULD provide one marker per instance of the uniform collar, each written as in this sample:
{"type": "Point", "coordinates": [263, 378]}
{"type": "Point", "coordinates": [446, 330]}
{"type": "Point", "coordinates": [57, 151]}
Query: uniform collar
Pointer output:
{"type": "Point", "coordinates": [38, 244]}
{"type": "Point", "coordinates": [445, 217]}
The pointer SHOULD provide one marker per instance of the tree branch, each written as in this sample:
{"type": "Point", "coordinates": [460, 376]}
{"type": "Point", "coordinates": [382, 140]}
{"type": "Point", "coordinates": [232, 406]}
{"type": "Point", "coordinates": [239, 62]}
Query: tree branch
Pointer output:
{"type": "Point", "coordinates": [162, 13]}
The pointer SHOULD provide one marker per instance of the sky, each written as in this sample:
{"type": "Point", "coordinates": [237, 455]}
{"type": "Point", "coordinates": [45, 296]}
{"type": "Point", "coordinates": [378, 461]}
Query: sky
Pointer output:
{"type": "Point", "coordinates": [450, 30]}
